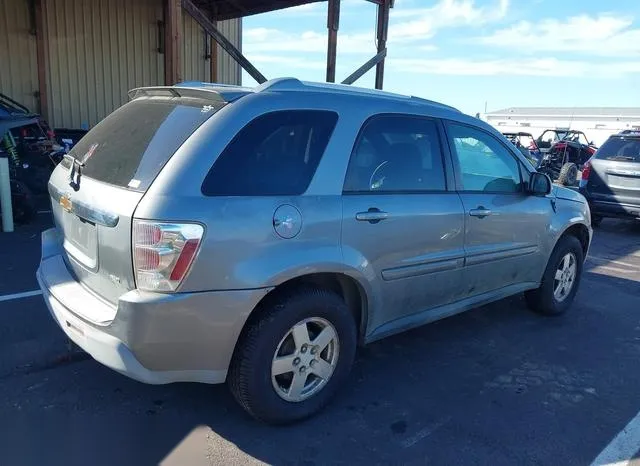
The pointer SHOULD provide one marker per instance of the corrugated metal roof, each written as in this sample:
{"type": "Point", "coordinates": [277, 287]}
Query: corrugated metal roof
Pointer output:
{"type": "Point", "coordinates": [568, 111]}
{"type": "Point", "coordinates": [229, 9]}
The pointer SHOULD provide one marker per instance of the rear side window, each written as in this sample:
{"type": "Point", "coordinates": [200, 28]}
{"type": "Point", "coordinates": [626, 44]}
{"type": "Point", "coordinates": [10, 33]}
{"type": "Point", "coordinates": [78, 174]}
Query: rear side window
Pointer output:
{"type": "Point", "coordinates": [623, 149]}
{"type": "Point", "coordinates": [131, 145]}
{"type": "Point", "coordinates": [276, 154]}
{"type": "Point", "coordinates": [396, 153]}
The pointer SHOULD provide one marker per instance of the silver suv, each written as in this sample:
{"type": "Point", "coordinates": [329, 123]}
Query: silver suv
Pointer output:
{"type": "Point", "coordinates": [258, 236]}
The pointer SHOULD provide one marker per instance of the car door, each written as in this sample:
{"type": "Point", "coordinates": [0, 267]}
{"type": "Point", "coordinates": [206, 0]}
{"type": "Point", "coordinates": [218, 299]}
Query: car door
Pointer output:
{"type": "Point", "coordinates": [402, 218]}
{"type": "Point", "coordinates": [504, 225]}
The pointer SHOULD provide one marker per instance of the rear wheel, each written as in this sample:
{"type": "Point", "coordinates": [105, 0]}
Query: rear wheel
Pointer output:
{"type": "Point", "coordinates": [560, 280]}
{"type": "Point", "coordinates": [294, 356]}
{"type": "Point", "coordinates": [22, 202]}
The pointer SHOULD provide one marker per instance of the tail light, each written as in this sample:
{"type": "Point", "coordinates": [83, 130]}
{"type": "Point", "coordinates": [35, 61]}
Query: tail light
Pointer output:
{"type": "Point", "coordinates": [586, 170]}
{"type": "Point", "coordinates": [163, 253]}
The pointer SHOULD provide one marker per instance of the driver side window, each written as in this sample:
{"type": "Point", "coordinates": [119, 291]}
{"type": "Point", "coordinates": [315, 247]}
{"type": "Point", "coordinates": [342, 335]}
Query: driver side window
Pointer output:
{"type": "Point", "coordinates": [485, 165]}
{"type": "Point", "coordinates": [396, 153]}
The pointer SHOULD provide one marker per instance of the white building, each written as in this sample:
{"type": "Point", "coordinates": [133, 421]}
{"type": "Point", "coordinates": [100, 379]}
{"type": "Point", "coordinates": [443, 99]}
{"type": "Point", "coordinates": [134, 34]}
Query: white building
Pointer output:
{"type": "Point", "coordinates": [598, 123]}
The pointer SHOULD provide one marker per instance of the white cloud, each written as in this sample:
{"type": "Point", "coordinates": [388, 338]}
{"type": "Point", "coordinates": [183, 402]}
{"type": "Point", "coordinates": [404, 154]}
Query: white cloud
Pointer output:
{"type": "Point", "coordinates": [273, 40]}
{"type": "Point", "coordinates": [603, 35]}
{"type": "Point", "coordinates": [422, 25]}
{"type": "Point", "coordinates": [549, 67]}
{"type": "Point", "coordinates": [426, 22]}
{"type": "Point", "coordinates": [290, 63]}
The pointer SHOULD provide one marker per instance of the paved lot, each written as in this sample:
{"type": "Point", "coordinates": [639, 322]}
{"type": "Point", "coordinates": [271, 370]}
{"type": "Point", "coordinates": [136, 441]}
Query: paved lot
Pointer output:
{"type": "Point", "coordinates": [498, 385]}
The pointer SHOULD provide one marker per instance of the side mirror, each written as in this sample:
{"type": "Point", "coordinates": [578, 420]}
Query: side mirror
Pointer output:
{"type": "Point", "coordinates": [539, 184]}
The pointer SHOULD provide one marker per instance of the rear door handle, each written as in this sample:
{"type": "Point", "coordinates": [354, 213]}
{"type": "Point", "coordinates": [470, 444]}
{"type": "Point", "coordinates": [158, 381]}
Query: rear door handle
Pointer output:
{"type": "Point", "coordinates": [373, 215]}
{"type": "Point", "coordinates": [480, 212]}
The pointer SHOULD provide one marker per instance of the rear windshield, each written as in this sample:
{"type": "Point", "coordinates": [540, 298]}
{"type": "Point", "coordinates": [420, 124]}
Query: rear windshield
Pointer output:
{"type": "Point", "coordinates": [131, 145]}
{"type": "Point", "coordinates": [275, 154]}
{"type": "Point", "coordinates": [623, 149]}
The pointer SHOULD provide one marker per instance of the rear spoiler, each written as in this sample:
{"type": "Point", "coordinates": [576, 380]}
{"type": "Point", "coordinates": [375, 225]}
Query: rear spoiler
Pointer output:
{"type": "Point", "coordinates": [221, 94]}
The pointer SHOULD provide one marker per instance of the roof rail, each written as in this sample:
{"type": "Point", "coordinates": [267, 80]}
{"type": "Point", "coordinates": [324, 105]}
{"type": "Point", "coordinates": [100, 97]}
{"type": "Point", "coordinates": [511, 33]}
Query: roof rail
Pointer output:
{"type": "Point", "coordinates": [280, 84]}
{"type": "Point", "coordinates": [204, 84]}
{"type": "Point", "coordinates": [294, 84]}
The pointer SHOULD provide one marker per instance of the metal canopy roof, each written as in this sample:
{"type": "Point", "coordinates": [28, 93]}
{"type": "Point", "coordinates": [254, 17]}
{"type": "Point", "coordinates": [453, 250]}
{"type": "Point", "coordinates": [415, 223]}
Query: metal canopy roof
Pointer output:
{"type": "Point", "coordinates": [208, 12]}
{"type": "Point", "coordinates": [228, 9]}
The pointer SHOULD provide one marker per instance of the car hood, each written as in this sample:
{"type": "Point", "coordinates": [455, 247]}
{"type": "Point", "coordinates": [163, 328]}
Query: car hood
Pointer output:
{"type": "Point", "coordinates": [568, 194]}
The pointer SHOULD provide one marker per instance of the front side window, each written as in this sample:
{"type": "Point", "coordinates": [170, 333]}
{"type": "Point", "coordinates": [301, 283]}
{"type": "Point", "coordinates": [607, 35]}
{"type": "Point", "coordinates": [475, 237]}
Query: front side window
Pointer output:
{"type": "Point", "coordinates": [485, 165]}
{"type": "Point", "coordinates": [396, 154]}
{"type": "Point", "coordinates": [274, 155]}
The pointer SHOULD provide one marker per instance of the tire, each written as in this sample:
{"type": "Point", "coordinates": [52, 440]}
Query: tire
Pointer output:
{"type": "Point", "coordinates": [24, 209]}
{"type": "Point", "coordinates": [543, 299]}
{"type": "Point", "coordinates": [250, 377]}
{"type": "Point", "coordinates": [596, 220]}
{"type": "Point", "coordinates": [568, 174]}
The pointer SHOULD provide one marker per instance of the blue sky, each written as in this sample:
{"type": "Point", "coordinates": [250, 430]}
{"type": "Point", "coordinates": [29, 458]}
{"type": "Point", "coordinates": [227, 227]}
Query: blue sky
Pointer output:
{"type": "Point", "coordinates": [467, 52]}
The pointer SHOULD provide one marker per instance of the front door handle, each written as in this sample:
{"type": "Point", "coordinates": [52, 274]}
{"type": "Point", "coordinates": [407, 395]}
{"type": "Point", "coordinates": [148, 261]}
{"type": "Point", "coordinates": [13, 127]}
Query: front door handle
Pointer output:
{"type": "Point", "coordinates": [373, 215]}
{"type": "Point", "coordinates": [480, 212]}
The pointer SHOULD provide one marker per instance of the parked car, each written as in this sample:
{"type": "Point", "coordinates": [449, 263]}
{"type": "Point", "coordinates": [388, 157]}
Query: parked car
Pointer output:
{"type": "Point", "coordinates": [38, 130]}
{"type": "Point", "coordinates": [258, 236]}
{"type": "Point", "coordinates": [611, 178]}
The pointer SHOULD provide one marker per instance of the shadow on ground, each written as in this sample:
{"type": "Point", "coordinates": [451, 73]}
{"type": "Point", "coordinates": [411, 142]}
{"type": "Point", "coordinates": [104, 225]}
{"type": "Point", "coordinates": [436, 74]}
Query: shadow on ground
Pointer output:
{"type": "Point", "coordinates": [498, 385]}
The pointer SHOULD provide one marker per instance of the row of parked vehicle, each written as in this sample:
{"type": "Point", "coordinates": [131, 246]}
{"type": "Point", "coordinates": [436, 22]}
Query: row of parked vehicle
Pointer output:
{"type": "Point", "coordinates": [33, 150]}
{"type": "Point", "coordinates": [610, 175]}
{"type": "Point", "coordinates": [560, 153]}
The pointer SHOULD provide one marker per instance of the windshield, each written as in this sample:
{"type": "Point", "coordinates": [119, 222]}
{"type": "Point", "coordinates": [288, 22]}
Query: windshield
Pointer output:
{"type": "Point", "coordinates": [131, 145]}
{"type": "Point", "coordinates": [624, 149]}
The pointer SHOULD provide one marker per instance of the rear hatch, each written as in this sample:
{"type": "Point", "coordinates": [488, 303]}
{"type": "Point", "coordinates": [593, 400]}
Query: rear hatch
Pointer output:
{"type": "Point", "coordinates": [96, 189]}
{"type": "Point", "coordinates": [615, 171]}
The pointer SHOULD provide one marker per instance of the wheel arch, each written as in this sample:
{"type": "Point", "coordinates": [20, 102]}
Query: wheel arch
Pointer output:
{"type": "Point", "coordinates": [350, 289]}
{"type": "Point", "coordinates": [581, 232]}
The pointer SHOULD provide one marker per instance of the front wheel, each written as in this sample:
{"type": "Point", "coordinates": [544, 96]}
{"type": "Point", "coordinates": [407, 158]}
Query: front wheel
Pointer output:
{"type": "Point", "coordinates": [560, 280]}
{"type": "Point", "coordinates": [294, 356]}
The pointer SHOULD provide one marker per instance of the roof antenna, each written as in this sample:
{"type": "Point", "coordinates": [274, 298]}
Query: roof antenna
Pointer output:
{"type": "Point", "coordinates": [566, 145]}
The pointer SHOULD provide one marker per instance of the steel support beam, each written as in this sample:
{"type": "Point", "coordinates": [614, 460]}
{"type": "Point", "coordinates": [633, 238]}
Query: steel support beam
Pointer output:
{"type": "Point", "coordinates": [172, 42]}
{"type": "Point", "coordinates": [357, 74]}
{"type": "Point", "coordinates": [382, 29]}
{"type": "Point", "coordinates": [213, 57]}
{"type": "Point", "coordinates": [203, 20]}
{"type": "Point", "coordinates": [333, 23]}
{"type": "Point", "coordinates": [41, 47]}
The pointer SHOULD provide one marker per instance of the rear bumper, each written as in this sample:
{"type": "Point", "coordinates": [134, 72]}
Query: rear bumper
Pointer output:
{"type": "Point", "coordinates": [154, 338]}
{"type": "Point", "coordinates": [612, 209]}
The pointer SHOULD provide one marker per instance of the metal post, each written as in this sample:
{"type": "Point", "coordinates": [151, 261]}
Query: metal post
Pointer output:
{"type": "Point", "coordinates": [173, 42]}
{"type": "Point", "coordinates": [203, 20]}
{"type": "Point", "coordinates": [383, 27]}
{"type": "Point", "coordinates": [333, 23]}
{"type": "Point", "coordinates": [357, 74]}
{"type": "Point", "coordinates": [5, 196]}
